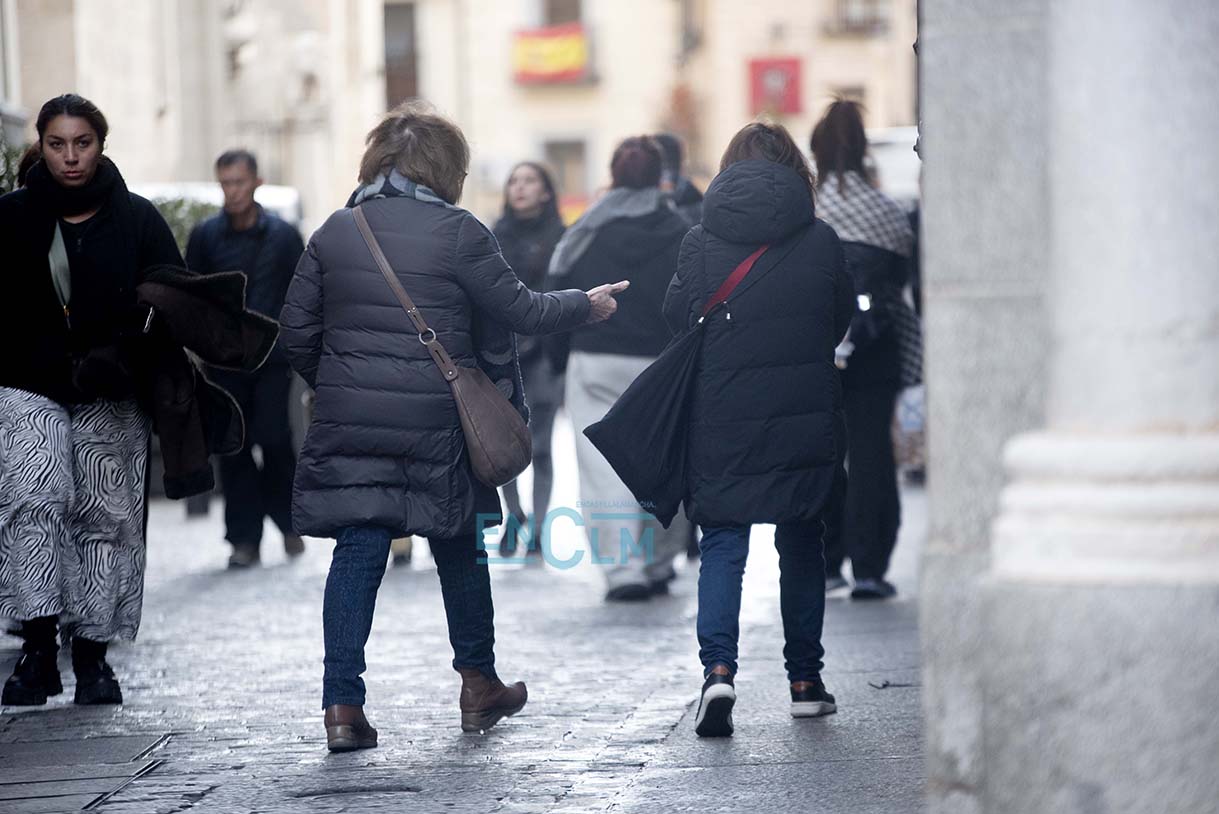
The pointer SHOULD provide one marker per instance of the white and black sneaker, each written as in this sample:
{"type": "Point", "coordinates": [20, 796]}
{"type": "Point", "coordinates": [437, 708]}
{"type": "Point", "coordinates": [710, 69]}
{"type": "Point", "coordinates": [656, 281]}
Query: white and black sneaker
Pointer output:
{"type": "Point", "coordinates": [714, 718]}
{"type": "Point", "coordinates": [810, 700]}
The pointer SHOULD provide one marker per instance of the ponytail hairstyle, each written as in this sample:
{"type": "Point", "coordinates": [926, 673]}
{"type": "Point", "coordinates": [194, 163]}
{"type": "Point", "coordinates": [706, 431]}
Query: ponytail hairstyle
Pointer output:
{"type": "Point", "coordinates": [839, 142]}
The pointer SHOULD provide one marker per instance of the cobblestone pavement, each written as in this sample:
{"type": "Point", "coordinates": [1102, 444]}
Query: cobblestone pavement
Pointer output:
{"type": "Point", "coordinates": [223, 697]}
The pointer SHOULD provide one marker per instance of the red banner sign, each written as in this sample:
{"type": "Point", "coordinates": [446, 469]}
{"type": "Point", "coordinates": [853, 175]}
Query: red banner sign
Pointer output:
{"type": "Point", "coordinates": [774, 86]}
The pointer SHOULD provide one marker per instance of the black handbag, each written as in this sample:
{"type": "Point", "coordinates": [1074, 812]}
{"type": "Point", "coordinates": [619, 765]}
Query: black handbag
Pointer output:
{"type": "Point", "coordinates": [643, 436]}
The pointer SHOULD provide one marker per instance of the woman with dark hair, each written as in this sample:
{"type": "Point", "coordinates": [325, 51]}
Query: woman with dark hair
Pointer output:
{"type": "Point", "coordinates": [877, 241]}
{"type": "Point", "coordinates": [74, 439]}
{"type": "Point", "coordinates": [385, 455]}
{"type": "Point", "coordinates": [632, 231]}
{"type": "Point", "coordinates": [765, 428]}
{"type": "Point", "coordinates": [528, 231]}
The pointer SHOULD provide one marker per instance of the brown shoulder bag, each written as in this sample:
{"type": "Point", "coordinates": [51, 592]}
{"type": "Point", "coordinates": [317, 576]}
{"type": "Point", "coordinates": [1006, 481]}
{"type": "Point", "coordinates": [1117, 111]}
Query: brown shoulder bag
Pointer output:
{"type": "Point", "coordinates": [496, 436]}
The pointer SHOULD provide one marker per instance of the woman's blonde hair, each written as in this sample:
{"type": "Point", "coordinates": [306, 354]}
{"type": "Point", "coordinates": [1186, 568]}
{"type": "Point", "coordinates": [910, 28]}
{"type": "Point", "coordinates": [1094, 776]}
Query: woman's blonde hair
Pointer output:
{"type": "Point", "coordinates": [422, 145]}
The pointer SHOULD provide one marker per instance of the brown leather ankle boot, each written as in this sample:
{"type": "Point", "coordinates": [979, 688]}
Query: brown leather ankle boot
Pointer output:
{"type": "Point", "coordinates": [348, 729]}
{"type": "Point", "coordinates": [484, 701]}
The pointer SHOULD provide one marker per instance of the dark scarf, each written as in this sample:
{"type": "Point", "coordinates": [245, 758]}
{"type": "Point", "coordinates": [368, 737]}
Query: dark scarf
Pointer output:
{"type": "Point", "coordinates": [60, 201]}
{"type": "Point", "coordinates": [105, 192]}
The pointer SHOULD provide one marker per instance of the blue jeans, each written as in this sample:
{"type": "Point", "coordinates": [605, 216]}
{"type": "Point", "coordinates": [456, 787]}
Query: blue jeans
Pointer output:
{"type": "Point", "coordinates": [801, 596]}
{"type": "Point", "coordinates": [360, 555]}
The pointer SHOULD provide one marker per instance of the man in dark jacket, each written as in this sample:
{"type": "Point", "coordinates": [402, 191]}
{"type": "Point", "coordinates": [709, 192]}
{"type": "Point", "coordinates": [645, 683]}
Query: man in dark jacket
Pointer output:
{"type": "Point", "coordinates": [246, 237]}
{"type": "Point", "coordinates": [631, 231]}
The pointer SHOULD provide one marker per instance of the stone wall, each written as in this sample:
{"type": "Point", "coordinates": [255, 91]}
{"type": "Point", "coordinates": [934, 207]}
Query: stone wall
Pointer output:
{"type": "Point", "coordinates": [986, 218]}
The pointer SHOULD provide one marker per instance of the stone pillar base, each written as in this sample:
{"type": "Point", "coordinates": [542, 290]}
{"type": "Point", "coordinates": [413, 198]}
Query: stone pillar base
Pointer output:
{"type": "Point", "coordinates": [1102, 668]}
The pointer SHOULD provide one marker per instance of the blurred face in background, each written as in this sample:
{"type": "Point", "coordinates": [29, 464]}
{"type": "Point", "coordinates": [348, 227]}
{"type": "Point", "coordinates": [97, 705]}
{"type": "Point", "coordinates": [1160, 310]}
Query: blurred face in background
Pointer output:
{"type": "Point", "coordinates": [238, 182]}
{"type": "Point", "coordinates": [71, 150]}
{"type": "Point", "coordinates": [527, 193]}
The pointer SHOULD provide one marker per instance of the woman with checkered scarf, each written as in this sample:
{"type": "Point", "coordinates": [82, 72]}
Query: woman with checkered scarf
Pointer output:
{"type": "Point", "coordinates": [878, 244]}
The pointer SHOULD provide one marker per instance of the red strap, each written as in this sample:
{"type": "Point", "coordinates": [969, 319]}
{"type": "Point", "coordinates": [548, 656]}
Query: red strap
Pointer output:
{"type": "Point", "coordinates": [734, 279]}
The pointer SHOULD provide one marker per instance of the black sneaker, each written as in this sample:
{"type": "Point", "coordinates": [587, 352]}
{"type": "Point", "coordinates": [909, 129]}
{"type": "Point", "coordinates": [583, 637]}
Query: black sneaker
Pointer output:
{"type": "Point", "coordinates": [835, 582]}
{"type": "Point", "coordinates": [95, 681]}
{"type": "Point", "coordinates": [631, 592]}
{"type": "Point", "coordinates": [873, 589]}
{"type": "Point", "coordinates": [810, 700]}
{"type": "Point", "coordinates": [714, 718]}
{"type": "Point", "coordinates": [245, 555]}
{"type": "Point", "coordinates": [34, 679]}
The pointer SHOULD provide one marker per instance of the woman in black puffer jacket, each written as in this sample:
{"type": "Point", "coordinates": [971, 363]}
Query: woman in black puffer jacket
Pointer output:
{"type": "Point", "coordinates": [877, 242]}
{"type": "Point", "coordinates": [527, 231]}
{"type": "Point", "coordinates": [385, 455]}
{"type": "Point", "coordinates": [766, 430]}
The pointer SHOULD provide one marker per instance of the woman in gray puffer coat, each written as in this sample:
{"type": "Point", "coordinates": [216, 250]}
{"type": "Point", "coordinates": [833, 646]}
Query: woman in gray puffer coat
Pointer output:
{"type": "Point", "coordinates": [385, 456]}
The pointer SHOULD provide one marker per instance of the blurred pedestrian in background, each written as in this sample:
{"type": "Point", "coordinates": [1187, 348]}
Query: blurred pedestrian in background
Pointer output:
{"type": "Point", "coordinates": [246, 237]}
{"type": "Point", "coordinates": [688, 202]}
{"type": "Point", "coordinates": [95, 312]}
{"type": "Point", "coordinates": [528, 231]}
{"type": "Point", "coordinates": [686, 198]}
{"type": "Point", "coordinates": [766, 430]}
{"type": "Point", "coordinates": [630, 232]}
{"type": "Point", "coordinates": [385, 455]}
{"type": "Point", "coordinates": [877, 242]}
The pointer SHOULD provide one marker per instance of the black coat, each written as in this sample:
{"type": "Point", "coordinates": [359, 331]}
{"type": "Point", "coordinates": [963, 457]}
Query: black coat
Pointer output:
{"type": "Point", "coordinates": [385, 446]}
{"type": "Point", "coordinates": [766, 428]}
{"type": "Point", "coordinates": [876, 358]}
{"type": "Point", "coordinates": [527, 246]}
{"type": "Point", "coordinates": [193, 417]}
{"type": "Point", "coordinates": [42, 354]}
{"type": "Point", "coordinates": [643, 250]}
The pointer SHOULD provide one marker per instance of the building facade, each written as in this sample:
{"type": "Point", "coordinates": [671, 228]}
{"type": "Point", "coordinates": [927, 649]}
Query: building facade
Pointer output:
{"type": "Point", "coordinates": [301, 82]}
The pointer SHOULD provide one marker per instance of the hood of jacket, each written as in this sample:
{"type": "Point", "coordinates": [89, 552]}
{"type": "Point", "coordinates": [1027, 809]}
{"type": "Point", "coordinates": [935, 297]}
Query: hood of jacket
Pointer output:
{"type": "Point", "coordinates": [757, 201]}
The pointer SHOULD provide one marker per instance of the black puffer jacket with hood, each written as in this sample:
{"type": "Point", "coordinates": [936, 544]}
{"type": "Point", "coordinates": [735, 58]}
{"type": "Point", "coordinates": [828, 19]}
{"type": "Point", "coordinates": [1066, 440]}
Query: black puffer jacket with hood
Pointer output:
{"type": "Point", "coordinates": [766, 429]}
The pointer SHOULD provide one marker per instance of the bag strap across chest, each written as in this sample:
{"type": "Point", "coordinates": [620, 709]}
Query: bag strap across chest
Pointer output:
{"type": "Point", "coordinates": [440, 356]}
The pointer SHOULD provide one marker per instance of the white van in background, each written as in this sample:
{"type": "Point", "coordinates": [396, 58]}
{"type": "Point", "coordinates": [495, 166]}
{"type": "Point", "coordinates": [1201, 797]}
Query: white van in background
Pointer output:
{"type": "Point", "coordinates": [895, 162]}
{"type": "Point", "coordinates": [283, 201]}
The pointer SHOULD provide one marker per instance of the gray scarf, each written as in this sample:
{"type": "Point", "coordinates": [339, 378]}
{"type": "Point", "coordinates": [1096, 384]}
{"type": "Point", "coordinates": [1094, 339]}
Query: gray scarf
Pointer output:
{"type": "Point", "coordinates": [616, 204]}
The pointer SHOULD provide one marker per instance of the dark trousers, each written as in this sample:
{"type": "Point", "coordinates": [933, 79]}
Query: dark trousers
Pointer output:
{"type": "Point", "coordinates": [253, 492]}
{"type": "Point", "coordinates": [351, 597]}
{"type": "Point", "coordinates": [541, 427]}
{"type": "Point", "coordinates": [871, 507]}
{"type": "Point", "coordinates": [544, 392]}
{"type": "Point", "coordinates": [801, 596]}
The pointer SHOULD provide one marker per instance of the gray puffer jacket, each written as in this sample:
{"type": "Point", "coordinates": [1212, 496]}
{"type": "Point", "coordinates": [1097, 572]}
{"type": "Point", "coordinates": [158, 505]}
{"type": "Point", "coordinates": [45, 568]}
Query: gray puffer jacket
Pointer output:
{"type": "Point", "coordinates": [385, 446]}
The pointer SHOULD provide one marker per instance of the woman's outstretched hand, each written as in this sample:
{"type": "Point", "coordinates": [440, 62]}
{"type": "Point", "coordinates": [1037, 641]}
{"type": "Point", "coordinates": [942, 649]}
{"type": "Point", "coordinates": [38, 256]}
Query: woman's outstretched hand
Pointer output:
{"type": "Point", "coordinates": [602, 300]}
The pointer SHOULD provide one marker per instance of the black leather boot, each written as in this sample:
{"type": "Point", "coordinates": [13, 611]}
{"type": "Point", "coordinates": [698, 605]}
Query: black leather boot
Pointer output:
{"type": "Point", "coordinates": [95, 681]}
{"type": "Point", "coordinates": [36, 676]}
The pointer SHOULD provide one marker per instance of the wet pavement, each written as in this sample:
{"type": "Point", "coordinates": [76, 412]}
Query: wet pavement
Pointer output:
{"type": "Point", "coordinates": [222, 692]}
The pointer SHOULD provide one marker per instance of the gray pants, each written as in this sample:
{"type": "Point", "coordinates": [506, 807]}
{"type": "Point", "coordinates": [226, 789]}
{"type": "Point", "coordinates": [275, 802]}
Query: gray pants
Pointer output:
{"type": "Point", "coordinates": [629, 543]}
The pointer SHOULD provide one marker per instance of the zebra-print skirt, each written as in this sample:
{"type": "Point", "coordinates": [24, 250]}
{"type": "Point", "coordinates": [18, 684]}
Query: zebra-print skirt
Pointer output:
{"type": "Point", "coordinates": [72, 513]}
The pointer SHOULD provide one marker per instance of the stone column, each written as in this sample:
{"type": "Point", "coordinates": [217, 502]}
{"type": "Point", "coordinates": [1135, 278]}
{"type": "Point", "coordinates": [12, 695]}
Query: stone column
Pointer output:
{"type": "Point", "coordinates": [1102, 668]}
{"type": "Point", "coordinates": [985, 253]}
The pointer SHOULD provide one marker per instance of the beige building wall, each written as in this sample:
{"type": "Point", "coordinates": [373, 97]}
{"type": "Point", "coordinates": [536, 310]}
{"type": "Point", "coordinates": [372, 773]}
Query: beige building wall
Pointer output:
{"type": "Point", "coordinates": [882, 65]}
{"type": "Point", "coordinates": [466, 71]}
{"type": "Point", "coordinates": [470, 77]}
{"type": "Point", "coordinates": [301, 82]}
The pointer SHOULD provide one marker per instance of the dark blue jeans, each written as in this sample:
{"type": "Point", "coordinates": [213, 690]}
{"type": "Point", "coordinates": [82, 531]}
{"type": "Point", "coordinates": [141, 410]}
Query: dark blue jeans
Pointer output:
{"type": "Point", "coordinates": [360, 555]}
{"type": "Point", "coordinates": [801, 596]}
